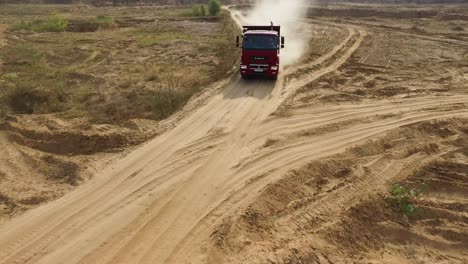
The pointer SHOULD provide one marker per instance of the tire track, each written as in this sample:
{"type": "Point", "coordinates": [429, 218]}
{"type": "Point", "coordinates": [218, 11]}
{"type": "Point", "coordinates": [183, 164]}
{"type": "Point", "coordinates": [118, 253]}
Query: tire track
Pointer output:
{"type": "Point", "coordinates": [298, 83]}
{"type": "Point", "coordinates": [350, 33]}
{"type": "Point", "coordinates": [160, 203]}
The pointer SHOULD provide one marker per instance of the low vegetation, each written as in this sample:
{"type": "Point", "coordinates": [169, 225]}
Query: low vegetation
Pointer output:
{"type": "Point", "coordinates": [53, 23]}
{"type": "Point", "coordinates": [32, 87]}
{"type": "Point", "coordinates": [198, 10]}
{"type": "Point", "coordinates": [404, 197]}
{"type": "Point", "coordinates": [111, 65]}
{"type": "Point", "coordinates": [214, 8]}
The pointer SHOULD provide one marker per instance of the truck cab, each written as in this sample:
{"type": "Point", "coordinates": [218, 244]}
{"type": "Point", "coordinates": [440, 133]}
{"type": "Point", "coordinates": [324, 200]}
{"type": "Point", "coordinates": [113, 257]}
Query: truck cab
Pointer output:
{"type": "Point", "coordinates": [260, 51]}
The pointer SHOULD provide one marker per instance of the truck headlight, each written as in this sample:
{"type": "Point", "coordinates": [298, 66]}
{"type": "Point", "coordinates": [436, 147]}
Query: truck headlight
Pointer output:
{"type": "Point", "coordinates": [244, 67]}
{"type": "Point", "coordinates": [274, 68]}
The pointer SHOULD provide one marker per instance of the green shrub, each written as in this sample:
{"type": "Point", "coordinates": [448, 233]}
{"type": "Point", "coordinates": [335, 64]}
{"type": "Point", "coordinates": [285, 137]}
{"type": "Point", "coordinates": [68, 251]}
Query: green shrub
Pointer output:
{"type": "Point", "coordinates": [202, 10]}
{"type": "Point", "coordinates": [22, 25]}
{"type": "Point", "coordinates": [404, 198]}
{"type": "Point", "coordinates": [196, 10]}
{"type": "Point", "coordinates": [214, 6]}
{"type": "Point", "coordinates": [53, 23]}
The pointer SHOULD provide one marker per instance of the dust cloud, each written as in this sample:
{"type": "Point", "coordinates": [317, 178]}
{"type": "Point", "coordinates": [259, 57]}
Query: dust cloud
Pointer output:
{"type": "Point", "coordinates": [288, 14]}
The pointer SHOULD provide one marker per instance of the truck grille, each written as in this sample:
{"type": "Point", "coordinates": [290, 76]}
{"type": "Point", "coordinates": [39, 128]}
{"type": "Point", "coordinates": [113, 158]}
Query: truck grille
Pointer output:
{"type": "Point", "coordinates": [258, 66]}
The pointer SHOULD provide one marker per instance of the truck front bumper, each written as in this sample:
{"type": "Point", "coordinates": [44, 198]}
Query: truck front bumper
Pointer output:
{"type": "Point", "coordinates": [269, 71]}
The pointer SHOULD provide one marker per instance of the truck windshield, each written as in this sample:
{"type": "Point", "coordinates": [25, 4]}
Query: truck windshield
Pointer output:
{"type": "Point", "coordinates": [260, 42]}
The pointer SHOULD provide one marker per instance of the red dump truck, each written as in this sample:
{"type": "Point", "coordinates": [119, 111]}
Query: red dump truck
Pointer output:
{"type": "Point", "coordinates": [260, 51]}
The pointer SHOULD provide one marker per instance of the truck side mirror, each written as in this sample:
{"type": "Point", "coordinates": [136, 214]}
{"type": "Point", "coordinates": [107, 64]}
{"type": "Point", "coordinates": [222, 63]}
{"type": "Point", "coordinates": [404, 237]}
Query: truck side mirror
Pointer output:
{"type": "Point", "coordinates": [237, 41]}
{"type": "Point", "coordinates": [282, 42]}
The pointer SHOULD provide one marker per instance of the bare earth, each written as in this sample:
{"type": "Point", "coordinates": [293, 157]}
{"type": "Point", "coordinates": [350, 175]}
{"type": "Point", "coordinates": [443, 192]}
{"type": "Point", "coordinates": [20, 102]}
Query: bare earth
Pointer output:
{"type": "Point", "coordinates": [293, 171]}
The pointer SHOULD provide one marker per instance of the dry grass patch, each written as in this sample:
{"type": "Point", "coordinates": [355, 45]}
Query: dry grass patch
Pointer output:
{"type": "Point", "coordinates": [112, 64]}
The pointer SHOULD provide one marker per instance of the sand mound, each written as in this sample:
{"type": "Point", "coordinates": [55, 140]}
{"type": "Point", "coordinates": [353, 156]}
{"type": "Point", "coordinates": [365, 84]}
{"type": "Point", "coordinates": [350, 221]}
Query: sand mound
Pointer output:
{"type": "Point", "coordinates": [50, 134]}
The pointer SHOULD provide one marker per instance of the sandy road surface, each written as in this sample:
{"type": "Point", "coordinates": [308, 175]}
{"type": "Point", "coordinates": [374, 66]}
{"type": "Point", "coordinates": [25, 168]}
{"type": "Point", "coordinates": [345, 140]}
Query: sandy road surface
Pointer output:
{"type": "Point", "coordinates": [160, 203]}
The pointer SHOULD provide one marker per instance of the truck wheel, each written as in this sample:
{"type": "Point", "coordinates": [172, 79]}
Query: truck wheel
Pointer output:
{"type": "Point", "coordinates": [244, 77]}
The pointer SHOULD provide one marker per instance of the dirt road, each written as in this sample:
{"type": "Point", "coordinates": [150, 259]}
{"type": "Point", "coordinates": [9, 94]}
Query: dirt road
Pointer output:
{"type": "Point", "coordinates": [161, 203]}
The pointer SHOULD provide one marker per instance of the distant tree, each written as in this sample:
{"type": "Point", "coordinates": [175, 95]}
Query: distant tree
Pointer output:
{"type": "Point", "coordinates": [214, 6]}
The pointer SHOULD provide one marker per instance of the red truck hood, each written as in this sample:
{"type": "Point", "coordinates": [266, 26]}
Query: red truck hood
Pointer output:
{"type": "Point", "coordinates": [260, 57]}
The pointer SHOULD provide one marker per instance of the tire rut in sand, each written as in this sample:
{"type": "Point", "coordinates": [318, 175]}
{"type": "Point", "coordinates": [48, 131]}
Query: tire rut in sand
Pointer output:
{"type": "Point", "coordinates": [71, 224]}
{"type": "Point", "coordinates": [301, 214]}
{"type": "Point", "coordinates": [249, 180]}
{"type": "Point", "coordinates": [160, 203]}
{"type": "Point", "coordinates": [342, 54]}
{"type": "Point", "coordinates": [69, 216]}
